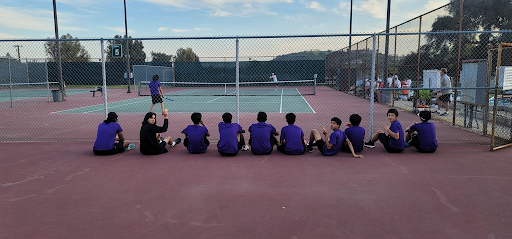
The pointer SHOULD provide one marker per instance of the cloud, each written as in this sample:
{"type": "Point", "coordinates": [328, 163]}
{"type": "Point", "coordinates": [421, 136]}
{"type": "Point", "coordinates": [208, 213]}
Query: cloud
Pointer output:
{"type": "Point", "coordinates": [201, 29]}
{"type": "Point", "coordinates": [375, 8]}
{"type": "Point", "coordinates": [315, 6]}
{"type": "Point", "coordinates": [33, 19]}
{"type": "Point", "coordinates": [161, 29]}
{"type": "Point", "coordinates": [9, 36]}
{"type": "Point", "coordinates": [220, 14]}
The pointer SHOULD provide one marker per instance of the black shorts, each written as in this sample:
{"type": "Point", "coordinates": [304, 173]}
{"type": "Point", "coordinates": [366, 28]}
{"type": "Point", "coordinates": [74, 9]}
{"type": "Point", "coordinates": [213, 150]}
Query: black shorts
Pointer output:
{"type": "Point", "coordinates": [416, 143]}
{"type": "Point", "coordinates": [118, 148]}
{"type": "Point", "coordinates": [444, 98]}
{"type": "Point", "coordinates": [384, 139]}
{"type": "Point", "coordinates": [156, 99]}
{"type": "Point", "coordinates": [240, 144]}
{"type": "Point", "coordinates": [320, 144]}
{"type": "Point", "coordinates": [282, 148]}
{"type": "Point", "coordinates": [185, 141]}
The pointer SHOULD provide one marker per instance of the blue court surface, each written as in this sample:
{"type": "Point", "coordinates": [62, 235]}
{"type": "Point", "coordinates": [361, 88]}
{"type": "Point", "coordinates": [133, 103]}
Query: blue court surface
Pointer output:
{"type": "Point", "coordinates": [278, 101]}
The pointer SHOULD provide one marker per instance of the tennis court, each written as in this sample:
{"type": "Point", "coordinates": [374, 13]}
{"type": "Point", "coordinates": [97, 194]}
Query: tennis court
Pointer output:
{"type": "Point", "coordinates": [276, 100]}
{"type": "Point", "coordinates": [24, 93]}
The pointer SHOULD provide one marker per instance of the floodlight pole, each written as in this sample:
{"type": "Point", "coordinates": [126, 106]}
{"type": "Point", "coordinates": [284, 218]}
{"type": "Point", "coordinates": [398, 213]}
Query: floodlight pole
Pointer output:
{"type": "Point", "coordinates": [18, 47]}
{"type": "Point", "coordinates": [127, 49]}
{"type": "Point", "coordinates": [61, 80]}
{"type": "Point", "coordinates": [350, 49]}
{"type": "Point", "coordinates": [386, 51]}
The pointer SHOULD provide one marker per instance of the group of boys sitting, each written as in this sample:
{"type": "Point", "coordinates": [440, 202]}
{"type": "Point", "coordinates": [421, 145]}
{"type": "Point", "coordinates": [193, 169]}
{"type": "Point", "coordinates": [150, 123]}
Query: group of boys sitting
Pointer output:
{"type": "Point", "coordinates": [292, 141]}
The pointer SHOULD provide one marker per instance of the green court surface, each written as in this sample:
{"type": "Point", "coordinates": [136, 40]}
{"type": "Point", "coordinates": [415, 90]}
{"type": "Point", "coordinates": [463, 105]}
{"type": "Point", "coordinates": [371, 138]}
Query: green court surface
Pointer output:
{"type": "Point", "coordinates": [23, 94]}
{"type": "Point", "coordinates": [191, 101]}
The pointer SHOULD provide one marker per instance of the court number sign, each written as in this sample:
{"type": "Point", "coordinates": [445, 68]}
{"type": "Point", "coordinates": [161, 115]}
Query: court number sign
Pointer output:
{"type": "Point", "coordinates": [117, 50]}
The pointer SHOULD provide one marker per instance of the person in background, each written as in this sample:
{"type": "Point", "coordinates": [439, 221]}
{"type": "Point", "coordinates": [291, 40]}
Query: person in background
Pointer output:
{"type": "Point", "coordinates": [156, 93]}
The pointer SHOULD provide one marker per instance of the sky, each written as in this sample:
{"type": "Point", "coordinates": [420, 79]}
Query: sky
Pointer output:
{"type": "Point", "coordinates": [21, 19]}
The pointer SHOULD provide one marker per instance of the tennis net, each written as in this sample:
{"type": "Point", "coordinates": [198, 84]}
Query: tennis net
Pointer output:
{"type": "Point", "coordinates": [299, 87]}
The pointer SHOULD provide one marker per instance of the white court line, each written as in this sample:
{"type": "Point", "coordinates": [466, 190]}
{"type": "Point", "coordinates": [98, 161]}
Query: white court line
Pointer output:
{"type": "Point", "coordinates": [281, 105]}
{"type": "Point", "coordinates": [305, 101]}
{"type": "Point", "coordinates": [94, 106]}
{"type": "Point", "coordinates": [219, 97]}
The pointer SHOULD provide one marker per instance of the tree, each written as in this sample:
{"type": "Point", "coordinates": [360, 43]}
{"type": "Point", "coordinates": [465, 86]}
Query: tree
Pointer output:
{"type": "Point", "coordinates": [70, 51]}
{"type": "Point", "coordinates": [186, 55]}
{"type": "Point", "coordinates": [160, 57]}
{"type": "Point", "coordinates": [137, 53]}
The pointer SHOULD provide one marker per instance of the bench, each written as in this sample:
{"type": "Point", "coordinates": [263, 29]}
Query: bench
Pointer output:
{"type": "Point", "coordinates": [99, 88]}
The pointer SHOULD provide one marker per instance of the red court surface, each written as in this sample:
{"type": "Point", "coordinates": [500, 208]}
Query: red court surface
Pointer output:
{"type": "Point", "coordinates": [61, 190]}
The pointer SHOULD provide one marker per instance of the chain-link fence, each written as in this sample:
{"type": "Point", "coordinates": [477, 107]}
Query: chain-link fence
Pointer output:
{"type": "Point", "coordinates": [314, 80]}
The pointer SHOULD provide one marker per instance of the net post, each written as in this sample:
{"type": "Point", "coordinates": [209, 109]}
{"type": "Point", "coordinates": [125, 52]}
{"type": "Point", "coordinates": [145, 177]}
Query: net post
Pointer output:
{"type": "Point", "coordinates": [104, 76]}
{"type": "Point", "coordinates": [314, 83]}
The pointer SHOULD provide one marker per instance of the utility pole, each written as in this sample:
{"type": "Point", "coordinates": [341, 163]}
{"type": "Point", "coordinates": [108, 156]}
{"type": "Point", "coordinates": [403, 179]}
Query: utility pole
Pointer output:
{"type": "Point", "coordinates": [386, 51]}
{"type": "Point", "coordinates": [127, 49]}
{"type": "Point", "coordinates": [18, 46]}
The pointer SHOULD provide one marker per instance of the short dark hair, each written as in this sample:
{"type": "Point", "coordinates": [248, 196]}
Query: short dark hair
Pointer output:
{"type": "Point", "coordinates": [155, 77]}
{"type": "Point", "coordinates": [394, 111]}
{"type": "Point", "coordinates": [148, 115]}
{"type": "Point", "coordinates": [290, 118]}
{"type": "Point", "coordinates": [355, 119]}
{"type": "Point", "coordinates": [425, 115]}
{"type": "Point", "coordinates": [337, 120]}
{"type": "Point", "coordinates": [227, 117]}
{"type": "Point", "coordinates": [111, 117]}
{"type": "Point", "coordinates": [196, 117]}
{"type": "Point", "coordinates": [262, 116]}
{"type": "Point", "coordinates": [444, 70]}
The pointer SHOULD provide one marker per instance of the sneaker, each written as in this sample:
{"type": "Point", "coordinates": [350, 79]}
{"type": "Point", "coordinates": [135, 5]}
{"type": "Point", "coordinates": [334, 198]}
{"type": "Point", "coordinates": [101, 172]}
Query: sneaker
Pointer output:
{"type": "Point", "coordinates": [309, 147]}
{"type": "Point", "coordinates": [407, 144]}
{"type": "Point", "coordinates": [130, 147]}
{"type": "Point", "coordinates": [369, 144]}
{"type": "Point", "coordinates": [444, 114]}
{"type": "Point", "coordinates": [245, 147]}
{"type": "Point", "coordinates": [176, 141]}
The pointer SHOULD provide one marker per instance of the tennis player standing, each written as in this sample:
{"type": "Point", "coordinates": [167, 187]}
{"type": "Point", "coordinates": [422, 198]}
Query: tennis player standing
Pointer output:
{"type": "Point", "coordinates": [156, 93]}
{"type": "Point", "coordinates": [274, 78]}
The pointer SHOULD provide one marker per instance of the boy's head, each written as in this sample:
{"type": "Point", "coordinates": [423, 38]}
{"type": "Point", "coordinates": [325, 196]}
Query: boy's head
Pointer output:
{"type": "Point", "coordinates": [155, 77]}
{"type": "Point", "coordinates": [290, 118]}
{"type": "Point", "coordinates": [262, 116]}
{"type": "Point", "coordinates": [227, 117]}
{"type": "Point", "coordinates": [335, 123]}
{"type": "Point", "coordinates": [425, 115]}
{"type": "Point", "coordinates": [392, 114]}
{"type": "Point", "coordinates": [111, 117]}
{"type": "Point", "coordinates": [355, 119]}
{"type": "Point", "coordinates": [196, 117]}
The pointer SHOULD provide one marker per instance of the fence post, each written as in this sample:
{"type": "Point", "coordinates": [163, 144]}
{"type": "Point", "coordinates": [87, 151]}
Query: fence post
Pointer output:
{"type": "Point", "coordinates": [104, 76]}
{"type": "Point", "coordinates": [237, 85]}
{"type": "Point", "coordinates": [10, 81]}
{"type": "Point", "coordinates": [372, 87]}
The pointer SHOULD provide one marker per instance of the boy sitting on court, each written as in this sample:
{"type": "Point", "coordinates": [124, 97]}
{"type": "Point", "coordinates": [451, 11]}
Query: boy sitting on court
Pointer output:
{"type": "Point", "coordinates": [355, 134]}
{"type": "Point", "coordinates": [292, 138]}
{"type": "Point", "coordinates": [156, 93]}
{"type": "Point", "coordinates": [332, 145]}
{"type": "Point", "coordinates": [195, 135]}
{"type": "Point", "coordinates": [422, 135]}
{"type": "Point", "coordinates": [394, 141]}
{"type": "Point", "coordinates": [263, 138]}
{"type": "Point", "coordinates": [231, 137]}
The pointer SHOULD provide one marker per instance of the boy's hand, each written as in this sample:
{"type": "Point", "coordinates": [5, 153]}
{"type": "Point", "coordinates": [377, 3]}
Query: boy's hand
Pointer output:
{"type": "Point", "coordinates": [358, 156]}
{"type": "Point", "coordinates": [165, 113]}
{"type": "Point", "coordinates": [324, 130]}
{"type": "Point", "coordinates": [201, 122]}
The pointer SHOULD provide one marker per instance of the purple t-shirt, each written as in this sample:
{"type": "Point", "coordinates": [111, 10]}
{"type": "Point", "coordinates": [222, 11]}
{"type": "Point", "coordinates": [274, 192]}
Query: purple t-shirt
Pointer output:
{"type": "Point", "coordinates": [153, 86]}
{"type": "Point", "coordinates": [396, 127]}
{"type": "Point", "coordinates": [196, 134]}
{"type": "Point", "coordinates": [356, 136]}
{"type": "Point", "coordinates": [106, 136]}
{"type": "Point", "coordinates": [292, 135]}
{"type": "Point", "coordinates": [336, 139]}
{"type": "Point", "coordinates": [426, 135]}
{"type": "Point", "coordinates": [260, 134]}
{"type": "Point", "coordinates": [228, 142]}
